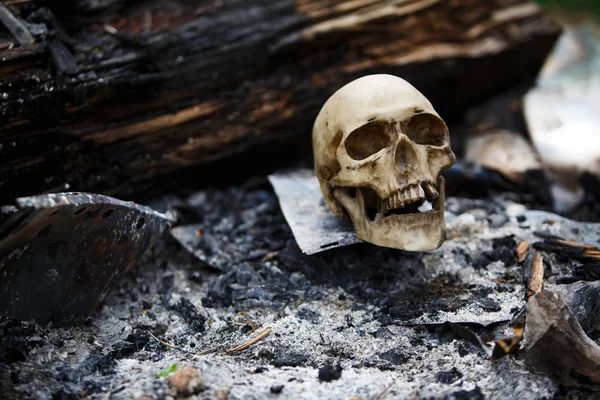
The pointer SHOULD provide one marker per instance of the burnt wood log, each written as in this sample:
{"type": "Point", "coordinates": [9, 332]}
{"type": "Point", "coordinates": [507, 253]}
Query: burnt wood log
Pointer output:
{"type": "Point", "coordinates": [132, 99]}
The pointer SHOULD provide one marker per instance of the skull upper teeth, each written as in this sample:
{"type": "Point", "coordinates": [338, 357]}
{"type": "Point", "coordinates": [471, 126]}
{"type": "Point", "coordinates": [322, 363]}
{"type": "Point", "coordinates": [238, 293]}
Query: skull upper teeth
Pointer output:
{"type": "Point", "coordinates": [430, 191]}
{"type": "Point", "coordinates": [407, 195]}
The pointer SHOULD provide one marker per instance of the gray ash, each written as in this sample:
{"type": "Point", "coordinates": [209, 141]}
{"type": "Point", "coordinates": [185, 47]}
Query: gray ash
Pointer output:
{"type": "Point", "coordinates": [366, 316]}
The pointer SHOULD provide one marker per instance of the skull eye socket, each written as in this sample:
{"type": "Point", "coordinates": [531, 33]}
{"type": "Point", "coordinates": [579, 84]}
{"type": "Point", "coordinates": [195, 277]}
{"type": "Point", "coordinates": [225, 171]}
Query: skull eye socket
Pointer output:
{"type": "Point", "coordinates": [427, 129]}
{"type": "Point", "coordinates": [367, 140]}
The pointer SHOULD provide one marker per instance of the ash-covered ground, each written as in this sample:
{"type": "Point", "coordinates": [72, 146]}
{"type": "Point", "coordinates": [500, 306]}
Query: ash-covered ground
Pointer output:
{"type": "Point", "coordinates": [354, 322]}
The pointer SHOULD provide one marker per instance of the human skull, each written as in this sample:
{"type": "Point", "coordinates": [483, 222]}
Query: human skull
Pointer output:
{"type": "Point", "coordinates": [379, 151]}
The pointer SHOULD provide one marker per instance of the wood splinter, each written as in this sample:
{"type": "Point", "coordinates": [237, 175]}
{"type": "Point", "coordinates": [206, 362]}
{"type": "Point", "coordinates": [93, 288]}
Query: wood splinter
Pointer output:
{"type": "Point", "coordinates": [163, 342]}
{"type": "Point", "coordinates": [522, 249]}
{"type": "Point", "coordinates": [536, 282]}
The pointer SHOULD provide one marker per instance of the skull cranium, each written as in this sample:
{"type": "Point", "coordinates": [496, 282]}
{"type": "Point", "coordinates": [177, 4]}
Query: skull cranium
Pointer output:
{"type": "Point", "coordinates": [379, 151]}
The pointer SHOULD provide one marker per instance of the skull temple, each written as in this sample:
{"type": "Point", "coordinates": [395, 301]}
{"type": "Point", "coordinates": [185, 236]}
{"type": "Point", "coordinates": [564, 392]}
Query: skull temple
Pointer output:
{"type": "Point", "coordinates": [379, 151]}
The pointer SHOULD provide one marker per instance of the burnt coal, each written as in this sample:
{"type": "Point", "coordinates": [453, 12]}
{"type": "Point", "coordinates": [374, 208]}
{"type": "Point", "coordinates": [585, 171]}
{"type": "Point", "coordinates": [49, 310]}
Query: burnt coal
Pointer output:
{"type": "Point", "coordinates": [219, 294]}
{"type": "Point", "coordinates": [14, 349]}
{"type": "Point", "coordinates": [503, 249]}
{"type": "Point", "coordinates": [488, 305]}
{"type": "Point", "coordinates": [448, 377]}
{"type": "Point", "coordinates": [290, 360]}
{"type": "Point", "coordinates": [276, 389]}
{"type": "Point", "coordinates": [167, 283]}
{"type": "Point", "coordinates": [309, 315]}
{"type": "Point", "coordinates": [395, 356]}
{"type": "Point", "coordinates": [405, 311]}
{"type": "Point", "coordinates": [330, 373]}
{"type": "Point", "coordinates": [14, 342]}
{"type": "Point", "coordinates": [464, 349]}
{"type": "Point", "coordinates": [190, 314]}
{"type": "Point", "coordinates": [583, 298]}
{"type": "Point", "coordinates": [588, 273]}
{"type": "Point", "coordinates": [474, 394]}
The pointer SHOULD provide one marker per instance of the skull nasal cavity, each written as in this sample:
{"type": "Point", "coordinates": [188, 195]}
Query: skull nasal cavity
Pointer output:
{"type": "Point", "coordinates": [406, 154]}
{"type": "Point", "coordinates": [367, 140]}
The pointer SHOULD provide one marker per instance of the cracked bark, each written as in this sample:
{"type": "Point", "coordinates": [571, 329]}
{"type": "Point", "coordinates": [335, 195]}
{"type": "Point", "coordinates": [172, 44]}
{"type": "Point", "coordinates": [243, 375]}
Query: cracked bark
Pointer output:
{"type": "Point", "coordinates": [132, 101]}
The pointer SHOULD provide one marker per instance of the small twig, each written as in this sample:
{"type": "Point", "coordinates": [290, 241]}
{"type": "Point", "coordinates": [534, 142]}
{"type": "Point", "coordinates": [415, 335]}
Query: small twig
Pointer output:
{"type": "Point", "coordinates": [536, 282]}
{"type": "Point", "coordinates": [200, 353]}
{"type": "Point", "coordinates": [380, 395]}
{"type": "Point", "coordinates": [162, 342]}
{"type": "Point", "coordinates": [249, 343]}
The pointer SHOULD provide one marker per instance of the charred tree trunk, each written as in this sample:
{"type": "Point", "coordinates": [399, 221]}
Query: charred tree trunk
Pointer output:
{"type": "Point", "coordinates": [131, 99]}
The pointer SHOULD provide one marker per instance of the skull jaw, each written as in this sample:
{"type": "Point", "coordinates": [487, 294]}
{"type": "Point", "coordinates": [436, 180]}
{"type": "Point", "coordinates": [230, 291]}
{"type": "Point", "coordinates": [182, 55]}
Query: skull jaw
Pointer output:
{"type": "Point", "coordinates": [411, 232]}
{"type": "Point", "coordinates": [423, 232]}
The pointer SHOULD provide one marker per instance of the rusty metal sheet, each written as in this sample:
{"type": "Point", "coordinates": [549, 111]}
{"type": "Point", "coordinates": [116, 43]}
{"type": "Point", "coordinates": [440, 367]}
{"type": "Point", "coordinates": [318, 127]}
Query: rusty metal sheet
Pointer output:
{"type": "Point", "coordinates": [60, 253]}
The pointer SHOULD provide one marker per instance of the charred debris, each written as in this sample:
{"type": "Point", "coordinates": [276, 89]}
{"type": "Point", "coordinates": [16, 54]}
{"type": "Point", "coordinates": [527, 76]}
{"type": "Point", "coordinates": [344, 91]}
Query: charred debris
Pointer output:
{"type": "Point", "coordinates": [210, 295]}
